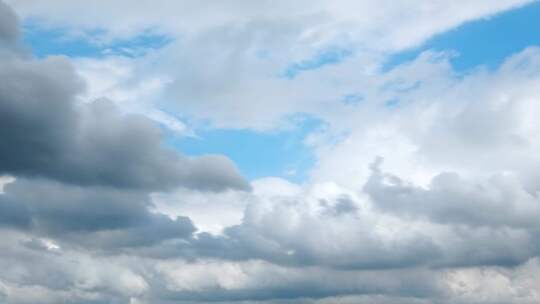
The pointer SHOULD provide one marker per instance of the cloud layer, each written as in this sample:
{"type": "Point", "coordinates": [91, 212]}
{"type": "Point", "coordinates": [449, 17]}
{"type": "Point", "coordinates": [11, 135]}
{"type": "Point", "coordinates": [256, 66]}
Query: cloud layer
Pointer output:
{"type": "Point", "coordinates": [425, 186]}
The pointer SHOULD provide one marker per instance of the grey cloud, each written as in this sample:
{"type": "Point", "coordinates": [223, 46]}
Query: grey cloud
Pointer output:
{"type": "Point", "coordinates": [453, 223]}
{"type": "Point", "coordinates": [9, 30]}
{"type": "Point", "coordinates": [270, 282]}
{"type": "Point", "coordinates": [339, 236]}
{"type": "Point", "coordinates": [13, 215]}
{"type": "Point", "coordinates": [46, 135]}
{"type": "Point", "coordinates": [362, 252]}
{"type": "Point", "coordinates": [344, 205]}
{"type": "Point", "coordinates": [484, 222]}
{"type": "Point", "coordinates": [71, 276]}
{"type": "Point", "coordinates": [31, 273]}
{"type": "Point", "coordinates": [450, 199]}
{"type": "Point", "coordinates": [88, 216]}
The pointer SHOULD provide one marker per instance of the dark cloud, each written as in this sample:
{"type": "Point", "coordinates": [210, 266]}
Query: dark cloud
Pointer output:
{"type": "Point", "coordinates": [9, 29]}
{"type": "Point", "coordinates": [96, 217]}
{"type": "Point", "coordinates": [13, 214]}
{"type": "Point", "coordinates": [45, 134]}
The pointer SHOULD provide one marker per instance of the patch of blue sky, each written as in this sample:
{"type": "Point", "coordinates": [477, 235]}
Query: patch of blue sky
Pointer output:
{"type": "Point", "coordinates": [45, 41]}
{"type": "Point", "coordinates": [279, 154]}
{"type": "Point", "coordinates": [353, 98]}
{"type": "Point", "coordinates": [327, 57]}
{"type": "Point", "coordinates": [392, 103]}
{"type": "Point", "coordinates": [485, 42]}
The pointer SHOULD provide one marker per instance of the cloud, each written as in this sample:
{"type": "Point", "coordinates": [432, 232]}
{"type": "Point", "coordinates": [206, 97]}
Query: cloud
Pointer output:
{"type": "Point", "coordinates": [498, 201]}
{"type": "Point", "coordinates": [89, 144]}
{"type": "Point", "coordinates": [393, 25]}
{"type": "Point", "coordinates": [211, 281]}
{"type": "Point", "coordinates": [481, 126]}
{"type": "Point", "coordinates": [387, 227]}
{"type": "Point", "coordinates": [223, 62]}
{"type": "Point", "coordinates": [49, 276]}
{"type": "Point", "coordinates": [95, 205]}
{"type": "Point", "coordinates": [94, 217]}
{"type": "Point", "coordinates": [9, 30]}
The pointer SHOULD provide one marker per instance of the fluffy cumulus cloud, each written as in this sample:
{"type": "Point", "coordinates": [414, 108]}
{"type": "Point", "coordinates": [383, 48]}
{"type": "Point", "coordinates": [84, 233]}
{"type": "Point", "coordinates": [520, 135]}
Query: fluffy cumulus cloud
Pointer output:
{"type": "Point", "coordinates": [424, 189]}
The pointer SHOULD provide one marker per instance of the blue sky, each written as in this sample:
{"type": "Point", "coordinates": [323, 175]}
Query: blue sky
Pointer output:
{"type": "Point", "coordinates": [280, 153]}
{"type": "Point", "coordinates": [485, 42]}
{"type": "Point", "coordinates": [46, 41]}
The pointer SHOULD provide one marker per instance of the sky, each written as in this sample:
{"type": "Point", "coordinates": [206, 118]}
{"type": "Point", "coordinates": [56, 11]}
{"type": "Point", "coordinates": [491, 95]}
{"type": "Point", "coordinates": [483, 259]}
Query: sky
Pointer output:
{"type": "Point", "coordinates": [269, 152]}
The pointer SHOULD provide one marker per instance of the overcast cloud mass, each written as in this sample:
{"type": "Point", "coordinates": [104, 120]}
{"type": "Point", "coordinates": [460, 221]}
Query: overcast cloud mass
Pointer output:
{"type": "Point", "coordinates": [422, 182]}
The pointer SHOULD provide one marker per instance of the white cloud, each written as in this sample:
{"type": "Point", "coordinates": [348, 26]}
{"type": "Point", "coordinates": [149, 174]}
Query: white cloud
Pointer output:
{"type": "Point", "coordinates": [224, 62]}
{"type": "Point", "coordinates": [117, 79]}
{"type": "Point", "coordinates": [483, 123]}
{"type": "Point", "coordinates": [386, 25]}
{"type": "Point", "coordinates": [211, 212]}
{"type": "Point", "coordinates": [4, 180]}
